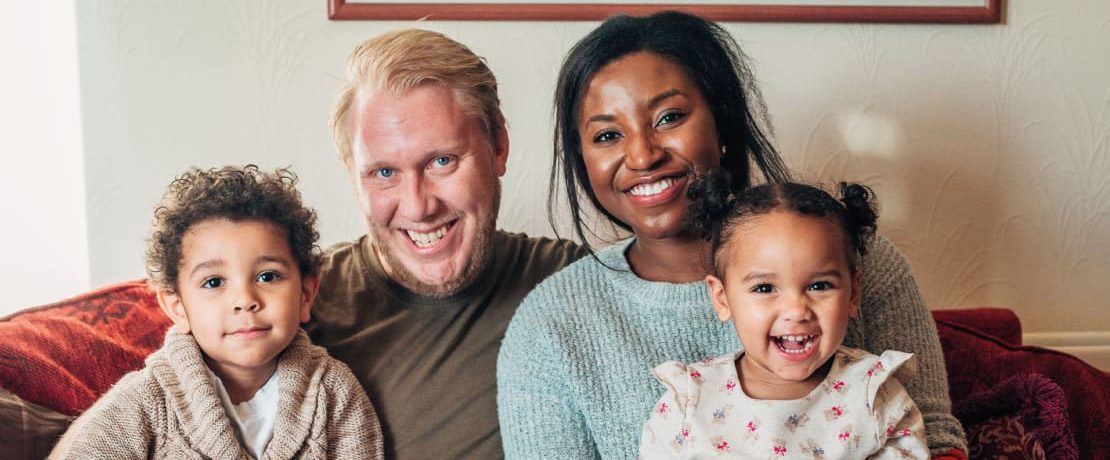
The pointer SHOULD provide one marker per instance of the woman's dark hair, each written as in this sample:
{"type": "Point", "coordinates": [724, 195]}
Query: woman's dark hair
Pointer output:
{"type": "Point", "coordinates": [236, 194]}
{"type": "Point", "coordinates": [708, 55]}
{"type": "Point", "coordinates": [717, 212]}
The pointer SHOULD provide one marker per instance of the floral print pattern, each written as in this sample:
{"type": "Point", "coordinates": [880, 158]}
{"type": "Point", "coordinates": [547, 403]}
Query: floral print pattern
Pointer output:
{"type": "Point", "coordinates": [860, 410]}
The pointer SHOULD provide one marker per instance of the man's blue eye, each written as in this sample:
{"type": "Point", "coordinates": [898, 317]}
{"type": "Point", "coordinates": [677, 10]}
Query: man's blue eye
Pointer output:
{"type": "Point", "coordinates": [443, 161]}
{"type": "Point", "coordinates": [213, 283]}
{"type": "Point", "coordinates": [385, 173]}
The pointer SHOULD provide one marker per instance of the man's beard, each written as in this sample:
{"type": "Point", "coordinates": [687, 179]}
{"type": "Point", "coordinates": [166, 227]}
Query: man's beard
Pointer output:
{"type": "Point", "coordinates": [482, 253]}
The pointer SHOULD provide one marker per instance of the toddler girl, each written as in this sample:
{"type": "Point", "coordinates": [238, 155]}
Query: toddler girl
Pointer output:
{"type": "Point", "coordinates": [785, 264]}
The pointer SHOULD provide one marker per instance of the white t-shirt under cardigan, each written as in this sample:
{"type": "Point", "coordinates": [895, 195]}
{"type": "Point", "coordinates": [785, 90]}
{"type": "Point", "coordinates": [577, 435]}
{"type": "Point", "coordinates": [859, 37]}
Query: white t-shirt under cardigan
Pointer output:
{"type": "Point", "coordinates": [253, 419]}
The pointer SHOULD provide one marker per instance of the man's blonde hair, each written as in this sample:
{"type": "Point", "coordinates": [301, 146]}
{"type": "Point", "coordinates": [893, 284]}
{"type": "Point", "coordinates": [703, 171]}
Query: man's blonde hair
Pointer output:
{"type": "Point", "coordinates": [402, 60]}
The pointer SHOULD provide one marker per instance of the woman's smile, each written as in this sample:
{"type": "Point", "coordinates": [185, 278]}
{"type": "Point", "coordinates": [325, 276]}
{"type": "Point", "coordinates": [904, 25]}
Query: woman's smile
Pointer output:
{"type": "Point", "coordinates": [650, 193]}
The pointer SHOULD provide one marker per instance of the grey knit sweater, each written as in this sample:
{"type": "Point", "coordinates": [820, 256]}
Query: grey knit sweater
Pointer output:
{"type": "Point", "coordinates": [574, 372]}
{"type": "Point", "coordinates": [170, 410]}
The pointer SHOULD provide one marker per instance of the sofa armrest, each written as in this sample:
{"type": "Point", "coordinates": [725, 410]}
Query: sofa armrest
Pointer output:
{"type": "Point", "coordinates": [1001, 323]}
{"type": "Point", "coordinates": [978, 362]}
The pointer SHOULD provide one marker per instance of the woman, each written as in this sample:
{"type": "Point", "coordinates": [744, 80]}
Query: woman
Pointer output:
{"type": "Point", "coordinates": [642, 105]}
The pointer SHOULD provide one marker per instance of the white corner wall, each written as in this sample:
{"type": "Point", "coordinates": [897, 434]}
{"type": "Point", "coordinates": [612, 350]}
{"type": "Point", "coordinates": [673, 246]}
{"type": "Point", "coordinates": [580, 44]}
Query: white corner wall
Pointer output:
{"type": "Point", "coordinates": [43, 250]}
{"type": "Point", "coordinates": [988, 145]}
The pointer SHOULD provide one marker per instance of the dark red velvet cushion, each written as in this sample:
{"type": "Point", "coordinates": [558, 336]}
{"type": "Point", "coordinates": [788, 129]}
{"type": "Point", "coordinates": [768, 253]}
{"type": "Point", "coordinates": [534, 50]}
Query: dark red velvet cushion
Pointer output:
{"type": "Point", "coordinates": [63, 356]}
{"type": "Point", "coordinates": [1023, 417]}
{"type": "Point", "coordinates": [979, 362]}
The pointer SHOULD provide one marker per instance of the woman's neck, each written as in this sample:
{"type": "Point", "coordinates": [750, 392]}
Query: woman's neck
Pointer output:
{"type": "Point", "coordinates": [671, 260]}
{"type": "Point", "coordinates": [239, 383]}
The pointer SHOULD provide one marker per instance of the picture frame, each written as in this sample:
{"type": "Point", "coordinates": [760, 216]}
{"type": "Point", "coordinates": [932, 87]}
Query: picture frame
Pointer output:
{"type": "Point", "coordinates": [863, 11]}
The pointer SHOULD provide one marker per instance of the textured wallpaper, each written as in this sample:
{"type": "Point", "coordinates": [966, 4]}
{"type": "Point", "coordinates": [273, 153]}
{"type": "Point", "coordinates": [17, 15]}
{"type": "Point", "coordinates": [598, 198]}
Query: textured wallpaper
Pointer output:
{"type": "Point", "coordinates": [988, 145]}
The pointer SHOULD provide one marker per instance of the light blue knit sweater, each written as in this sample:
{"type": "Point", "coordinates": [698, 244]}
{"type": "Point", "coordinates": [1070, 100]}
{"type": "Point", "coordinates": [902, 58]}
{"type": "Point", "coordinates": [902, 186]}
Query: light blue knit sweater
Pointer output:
{"type": "Point", "coordinates": [574, 372]}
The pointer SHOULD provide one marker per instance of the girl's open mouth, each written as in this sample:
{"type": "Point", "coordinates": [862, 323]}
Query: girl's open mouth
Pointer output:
{"type": "Point", "coordinates": [795, 344]}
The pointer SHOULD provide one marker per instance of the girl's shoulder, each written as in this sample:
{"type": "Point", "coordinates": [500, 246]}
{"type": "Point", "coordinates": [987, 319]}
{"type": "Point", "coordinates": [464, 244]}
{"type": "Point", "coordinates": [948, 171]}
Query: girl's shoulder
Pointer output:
{"type": "Point", "coordinates": [873, 371]}
{"type": "Point", "coordinates": [719, 368]}
{"type": "Point", "coordinates": [855, 360]}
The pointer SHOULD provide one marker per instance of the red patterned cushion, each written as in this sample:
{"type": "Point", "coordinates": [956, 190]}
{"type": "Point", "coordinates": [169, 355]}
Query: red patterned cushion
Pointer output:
{"type": "Point", "coordinates": [977, 362]}
{"type": "Point", "coordinates": [1023, 417]}
{"type": "Point", "coordinates": [63, 356]}
{"type": "Point", "coordinates": [1003, 438]}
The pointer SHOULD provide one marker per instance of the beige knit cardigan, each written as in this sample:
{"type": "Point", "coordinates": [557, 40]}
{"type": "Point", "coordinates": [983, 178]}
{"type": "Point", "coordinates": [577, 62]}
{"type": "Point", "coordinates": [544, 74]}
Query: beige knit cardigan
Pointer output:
{"type": "Point", "coordinates": [171, 410]}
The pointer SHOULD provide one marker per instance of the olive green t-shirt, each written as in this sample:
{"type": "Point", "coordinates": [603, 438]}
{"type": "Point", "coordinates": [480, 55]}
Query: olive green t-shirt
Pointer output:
{"type": "Point", "coordinates": [429, 365]}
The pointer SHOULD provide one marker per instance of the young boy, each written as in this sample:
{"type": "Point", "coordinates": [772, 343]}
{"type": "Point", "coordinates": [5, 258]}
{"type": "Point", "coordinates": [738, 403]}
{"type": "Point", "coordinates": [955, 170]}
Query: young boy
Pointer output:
{"type": "Point", "coordinates": [234, 259]}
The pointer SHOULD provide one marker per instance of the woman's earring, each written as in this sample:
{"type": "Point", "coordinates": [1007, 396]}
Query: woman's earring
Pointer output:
{"type": "Point", "coordinates": [724, 150]}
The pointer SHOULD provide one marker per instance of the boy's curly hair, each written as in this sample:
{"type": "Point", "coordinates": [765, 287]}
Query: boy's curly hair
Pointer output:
{"type": "Point", "coordinates": [236, 194]}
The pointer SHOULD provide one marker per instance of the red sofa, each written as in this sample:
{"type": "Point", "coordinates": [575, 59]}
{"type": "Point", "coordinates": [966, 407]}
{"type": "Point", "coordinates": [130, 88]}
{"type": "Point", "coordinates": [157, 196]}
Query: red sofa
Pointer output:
{"type": "Point", "coordinates": [1015, 401]}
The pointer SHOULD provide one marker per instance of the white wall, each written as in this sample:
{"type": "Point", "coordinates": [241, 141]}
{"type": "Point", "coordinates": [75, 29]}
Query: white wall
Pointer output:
{"type": "Point", "coordinates": [988, 145]}
{"type": "Point", "coordinates": [43, 249]}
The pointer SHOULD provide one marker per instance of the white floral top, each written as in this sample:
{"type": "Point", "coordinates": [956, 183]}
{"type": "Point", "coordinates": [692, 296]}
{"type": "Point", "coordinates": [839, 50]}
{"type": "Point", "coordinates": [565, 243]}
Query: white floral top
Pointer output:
{"type": "Point", "coordinates": [859, 411]}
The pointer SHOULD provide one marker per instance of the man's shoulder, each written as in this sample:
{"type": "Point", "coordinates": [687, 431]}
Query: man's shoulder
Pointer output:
{"type": "Point", "coordinates": [345, 252]}
{"type": "Point", "coordinates": [539, 255]}
{"type": "Point", "coordinates": [556, 247]}
{"type": "Point", "coordinates": [346, 269]}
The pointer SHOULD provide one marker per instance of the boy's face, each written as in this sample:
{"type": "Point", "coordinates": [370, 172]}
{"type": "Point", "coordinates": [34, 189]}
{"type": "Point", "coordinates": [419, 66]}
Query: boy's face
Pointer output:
{"type": "Point", "coordinates": [788, 289]}
{"type": "Point", "coordinates": [240, 293]}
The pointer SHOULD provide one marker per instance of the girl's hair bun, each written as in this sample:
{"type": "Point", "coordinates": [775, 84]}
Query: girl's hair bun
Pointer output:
{"type": "Point", "coordinates": [711, 201]}
{"type": "Point", "coordinates": [860, 215]}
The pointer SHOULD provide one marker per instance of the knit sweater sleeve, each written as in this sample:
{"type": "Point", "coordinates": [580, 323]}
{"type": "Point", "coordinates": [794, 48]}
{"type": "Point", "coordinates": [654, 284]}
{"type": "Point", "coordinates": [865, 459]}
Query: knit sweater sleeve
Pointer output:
{"type": "Point", "coordinates": [353, 430]}
{"type": "Point", "coordinates": [538, 414]}
{"type": "Point", "coordinates": [120, 425]}
{"type": "Point", "coordinates": [894, 317]}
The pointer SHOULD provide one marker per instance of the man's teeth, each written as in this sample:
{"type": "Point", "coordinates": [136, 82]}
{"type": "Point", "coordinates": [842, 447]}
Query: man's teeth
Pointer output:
{"type": "Point", "coordinates": [424, 240]}
{"type": "Point", "coordinates": [652, 188]}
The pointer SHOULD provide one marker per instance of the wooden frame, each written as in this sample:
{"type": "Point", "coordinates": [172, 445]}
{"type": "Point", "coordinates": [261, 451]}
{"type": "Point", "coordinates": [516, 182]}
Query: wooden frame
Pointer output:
{"type": "Point", "coordinates": [990, 12]}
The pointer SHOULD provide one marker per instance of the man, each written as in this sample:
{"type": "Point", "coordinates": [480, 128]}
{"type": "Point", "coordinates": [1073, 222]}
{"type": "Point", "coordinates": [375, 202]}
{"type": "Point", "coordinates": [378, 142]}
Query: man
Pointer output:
{"type": "Point", "coordinates": [417, 308]}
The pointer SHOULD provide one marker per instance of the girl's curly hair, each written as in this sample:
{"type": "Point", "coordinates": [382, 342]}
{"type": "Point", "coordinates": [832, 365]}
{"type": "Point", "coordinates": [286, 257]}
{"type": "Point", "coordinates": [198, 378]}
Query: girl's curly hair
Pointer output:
{"type": "Point", "coordinates": [236, 194]}
{"type": "Point", "coordinates": [716, 212]}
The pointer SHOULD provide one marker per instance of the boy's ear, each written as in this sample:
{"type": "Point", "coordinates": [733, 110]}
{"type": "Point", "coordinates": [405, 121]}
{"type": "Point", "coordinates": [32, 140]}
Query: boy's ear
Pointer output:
{"type": "Point", "coordinates": [857, 294]}
{"type": "Point", "coordinates": [719, 298]}
{"type": "Point", "coordinates": [174, 309]}
{"type": "Point", "coordinates": [310, 286]}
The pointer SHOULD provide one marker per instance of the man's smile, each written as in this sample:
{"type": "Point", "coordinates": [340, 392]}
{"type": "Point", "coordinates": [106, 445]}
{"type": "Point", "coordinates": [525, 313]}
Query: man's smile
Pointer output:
{"type": "Point", "coordinates": [427, 239]}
